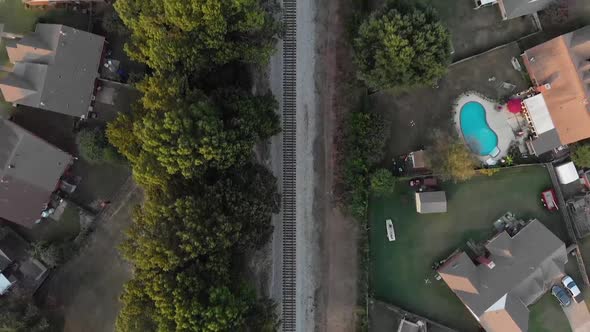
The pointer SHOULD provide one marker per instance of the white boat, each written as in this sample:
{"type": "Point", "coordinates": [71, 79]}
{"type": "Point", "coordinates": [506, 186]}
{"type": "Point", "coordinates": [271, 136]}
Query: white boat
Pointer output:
{"type": "Point", "coordinates": [390, 230]}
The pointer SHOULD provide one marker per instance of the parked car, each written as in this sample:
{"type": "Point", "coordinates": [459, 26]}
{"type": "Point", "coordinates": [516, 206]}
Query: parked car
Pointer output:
{"type": "Point", "coordinates": [571, 286]}
{"type": "Point", "coordinates": [419, 183]}
{"type": "Point", "coordinates": [561, 295]}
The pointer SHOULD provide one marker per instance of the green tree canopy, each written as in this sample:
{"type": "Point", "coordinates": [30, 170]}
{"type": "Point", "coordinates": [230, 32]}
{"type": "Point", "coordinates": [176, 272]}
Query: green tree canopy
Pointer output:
{"type": "Point", "coordinates": [401, 45]}
{"type": "Point", "coordinates": [233, 212]}
{"type": "Point", "coordinates": [365, 137]}
{"type": "Point", "coordinates": [183, 300]}
{"type": "Point", "coordinates": [581, 155]}
{"type": "Point", "coordinates": [180, 132]}
{"type": "Point", "coordinates": [450, 158]}
{"type": "Point", "coordinates": [182, 248]}
{"type": "Point", "coordinates": [94, 147]}
{"type": "Point", "coordinates": [194, 34]}
{"type": "Point", "coordinates": [20, 314]}
{"type": "Point", "coordinates": [382, 182]}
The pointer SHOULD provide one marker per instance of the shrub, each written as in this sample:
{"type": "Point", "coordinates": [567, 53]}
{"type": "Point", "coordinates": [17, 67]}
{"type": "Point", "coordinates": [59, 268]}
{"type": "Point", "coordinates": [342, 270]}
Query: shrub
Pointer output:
{"type": "Point", "coordinates": [489, 171]}
{"type": "Point", "coordinates": [581, 155]}
{"type": "Point", "coordinates": [94, 148]}
{"type": "Point", "coordinates": [450, 158]}
{"type": "Point", "coordinates": [382, 182]}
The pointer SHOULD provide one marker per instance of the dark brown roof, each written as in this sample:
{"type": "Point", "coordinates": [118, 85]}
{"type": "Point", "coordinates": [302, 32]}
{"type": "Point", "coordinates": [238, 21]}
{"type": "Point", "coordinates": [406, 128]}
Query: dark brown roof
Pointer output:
{"type": "Point", "coordinates": [30, 169]}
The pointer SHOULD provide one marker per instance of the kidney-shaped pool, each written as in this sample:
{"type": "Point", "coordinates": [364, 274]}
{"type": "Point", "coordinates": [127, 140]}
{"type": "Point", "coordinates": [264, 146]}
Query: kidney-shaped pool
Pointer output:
{"type": "Point", "coordinates": [476, 131]}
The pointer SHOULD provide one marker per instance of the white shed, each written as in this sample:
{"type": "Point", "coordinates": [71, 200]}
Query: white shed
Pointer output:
{"type": "Point", "coordinates": [567, 173]}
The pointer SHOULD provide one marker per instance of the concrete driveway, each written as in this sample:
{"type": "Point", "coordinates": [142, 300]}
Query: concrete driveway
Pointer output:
{"type": "Point", "coordinates": [578, 316]}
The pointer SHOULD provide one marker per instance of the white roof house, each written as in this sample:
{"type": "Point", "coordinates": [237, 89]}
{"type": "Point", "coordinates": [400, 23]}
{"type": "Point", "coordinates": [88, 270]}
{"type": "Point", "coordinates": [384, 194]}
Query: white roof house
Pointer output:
{"type": "Point", "coordinates": [539, 114]}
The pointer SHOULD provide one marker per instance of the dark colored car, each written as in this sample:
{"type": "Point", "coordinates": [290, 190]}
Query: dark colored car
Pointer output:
{"type": "Point", "coordinates": [420, 182]}
{"type": "Point", "coordinates": [561, 295]}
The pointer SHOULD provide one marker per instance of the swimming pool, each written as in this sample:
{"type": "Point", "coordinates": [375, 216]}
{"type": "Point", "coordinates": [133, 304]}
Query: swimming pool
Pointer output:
{"type": "Point", "coordinates": [476, 131]}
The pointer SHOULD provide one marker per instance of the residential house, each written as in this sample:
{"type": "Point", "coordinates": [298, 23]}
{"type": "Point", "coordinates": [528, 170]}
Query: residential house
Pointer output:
{"type": "Point", "coordinates": [516, 271]}
{"type": "Point", "coordinates": [30, 172]}
{"type": "Point", "coordinates": [17, 266]}
{"type": "Point", "coordinates": [54, 68]}
{"type": "Point", "coordinates": [431, 202]}
{"type": "Point", "coordinates": [559, 112]}
{"type": "Point", "coordinates": [515, 8]}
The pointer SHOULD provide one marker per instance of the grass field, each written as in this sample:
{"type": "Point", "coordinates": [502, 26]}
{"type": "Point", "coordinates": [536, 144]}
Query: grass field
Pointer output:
{"type": "Point", "coordinates": [547, 316]}
{"type": "Point", "coordinates": [399, 269]}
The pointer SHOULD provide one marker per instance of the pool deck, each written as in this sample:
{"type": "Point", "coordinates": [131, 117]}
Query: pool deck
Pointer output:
{"type": "Point", "coordinates": [502, 122]}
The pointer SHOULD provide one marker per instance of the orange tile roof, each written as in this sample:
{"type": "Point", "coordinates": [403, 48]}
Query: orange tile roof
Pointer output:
{"type": "Point", "coordinates": [567, 99]}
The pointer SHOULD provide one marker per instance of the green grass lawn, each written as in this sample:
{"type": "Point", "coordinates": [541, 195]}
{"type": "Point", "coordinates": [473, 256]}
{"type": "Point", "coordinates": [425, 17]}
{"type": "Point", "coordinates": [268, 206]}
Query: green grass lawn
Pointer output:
{"type": "Point", "coordinates": [547, 316]}
{"type": "Point", "coordinates": [399, 269]}
{"type": "Point", "coordinates": [16, 17]}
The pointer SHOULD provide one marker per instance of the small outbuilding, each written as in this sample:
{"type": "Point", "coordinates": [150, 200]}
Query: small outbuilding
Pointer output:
{"type": "Point", "coordinates": [431, 202]}
{"type": "Point", "coordinates": [417, 159]}
{"type": "Point", "coordinates": [567, 173]}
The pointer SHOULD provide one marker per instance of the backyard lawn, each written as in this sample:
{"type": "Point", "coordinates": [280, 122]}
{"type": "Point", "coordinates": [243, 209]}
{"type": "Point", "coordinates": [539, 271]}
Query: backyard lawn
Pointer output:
{"type": "Point", "coordinates": [401, 271]}
{"type": "Point", "coordinates": [547, 316]}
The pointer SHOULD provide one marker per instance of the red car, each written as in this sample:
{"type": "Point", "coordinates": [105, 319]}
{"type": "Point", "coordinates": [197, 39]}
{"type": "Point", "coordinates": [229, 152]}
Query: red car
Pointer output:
{"type": "Point", "coordinates": [549, 199]}
{"type": "Point", "coordinates": [427, 182]}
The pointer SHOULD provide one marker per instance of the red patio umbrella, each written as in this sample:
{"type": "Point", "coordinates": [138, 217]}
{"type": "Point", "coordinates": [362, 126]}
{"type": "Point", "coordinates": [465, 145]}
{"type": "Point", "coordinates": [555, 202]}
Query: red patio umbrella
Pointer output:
{"type": "Point", "coordinates": [515, 106]}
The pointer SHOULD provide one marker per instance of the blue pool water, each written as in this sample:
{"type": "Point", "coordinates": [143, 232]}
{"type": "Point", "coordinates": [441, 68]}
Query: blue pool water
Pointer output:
{"type": "Point", "coordinates": [476, 131]}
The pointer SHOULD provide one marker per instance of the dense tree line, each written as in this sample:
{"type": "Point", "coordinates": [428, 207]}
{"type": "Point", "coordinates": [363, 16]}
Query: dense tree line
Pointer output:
{"type": "Point", "coordinates": [364, 142]}
{"type": "Point", "coordinates": [191, 150]}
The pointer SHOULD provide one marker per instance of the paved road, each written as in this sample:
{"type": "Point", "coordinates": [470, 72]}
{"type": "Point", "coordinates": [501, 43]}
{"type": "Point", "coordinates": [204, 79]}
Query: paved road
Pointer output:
{"type": "Point", "coordinates": [578, 316]}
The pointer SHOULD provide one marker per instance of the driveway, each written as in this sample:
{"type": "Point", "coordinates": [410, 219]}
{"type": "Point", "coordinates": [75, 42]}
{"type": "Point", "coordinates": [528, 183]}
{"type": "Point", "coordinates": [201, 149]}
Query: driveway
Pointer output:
{"type": "Point", "coordinates": [578, 316]}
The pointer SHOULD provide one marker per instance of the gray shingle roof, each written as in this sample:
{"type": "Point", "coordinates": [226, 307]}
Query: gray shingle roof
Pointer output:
{"type": "Point", "coordinates": [30, 169]}
{"type": "Point", "coordinates": [499, 296]}
{"type": "Point", "coordinates": [60, 63]}
{"type": "Point", "coordinates": [431, 202]}
{"type": "Point", "coordinates": [546, 142]}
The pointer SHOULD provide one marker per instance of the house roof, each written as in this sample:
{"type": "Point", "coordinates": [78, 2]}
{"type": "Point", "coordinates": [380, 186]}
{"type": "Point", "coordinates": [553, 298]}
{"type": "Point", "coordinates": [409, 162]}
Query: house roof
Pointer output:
{"type": "Point", "coordinates": [418, 159]}
{"type": "Point", "coordinates": [431, 202]}
{"type": "Point", "coordinates": [525, 266]}
{"type": "Point", "coordinates": [567, 173]}
{"type": "Point", "coordinates": [517, 8]}
{"type": "Point", "coordinates": [24, 189]}
{"type": "Point", "coordinates": [539, 113]}
{"type": "Point", "coordinates": [561, 70]}
{"type": "Point", "coordinates": [546, 142]}
{"type": "Point", "coordinates": [55, 69]}
{"type": "Point", "coordinates": [407, 326]}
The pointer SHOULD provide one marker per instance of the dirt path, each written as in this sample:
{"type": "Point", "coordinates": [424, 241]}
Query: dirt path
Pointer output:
{"type": "Point", "coordinates": [86, 289]}
{"type": "Point", "coordinates": [338, 292]}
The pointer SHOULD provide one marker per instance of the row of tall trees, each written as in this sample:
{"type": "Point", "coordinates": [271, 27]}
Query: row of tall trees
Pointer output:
{"type": "Point", "coordinates": [190, 142]}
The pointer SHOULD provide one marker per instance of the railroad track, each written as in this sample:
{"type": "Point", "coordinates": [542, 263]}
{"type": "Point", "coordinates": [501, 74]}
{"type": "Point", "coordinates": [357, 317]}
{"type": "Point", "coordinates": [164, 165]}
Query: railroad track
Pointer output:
{"type": "Point", "coordinates": [289, 112]}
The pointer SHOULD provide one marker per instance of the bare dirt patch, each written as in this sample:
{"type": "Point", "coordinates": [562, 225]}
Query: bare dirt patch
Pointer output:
{"type": "Point", "coordinates": [337, 298]}
{"type": "Point", "coordinates": [85, 291]}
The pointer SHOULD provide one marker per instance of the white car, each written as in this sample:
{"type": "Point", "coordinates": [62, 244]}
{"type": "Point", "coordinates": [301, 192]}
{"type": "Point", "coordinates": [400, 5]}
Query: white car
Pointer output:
{"type": "Point", "coordinates": [571, 286]}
